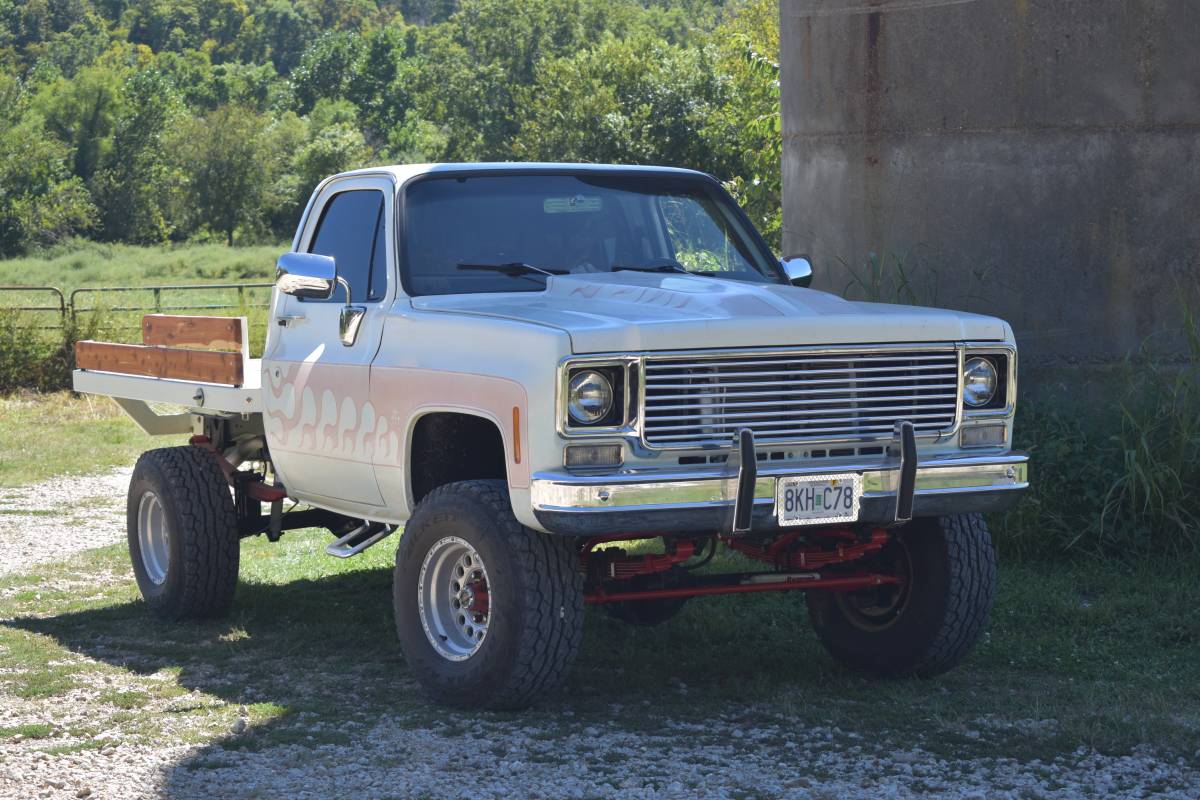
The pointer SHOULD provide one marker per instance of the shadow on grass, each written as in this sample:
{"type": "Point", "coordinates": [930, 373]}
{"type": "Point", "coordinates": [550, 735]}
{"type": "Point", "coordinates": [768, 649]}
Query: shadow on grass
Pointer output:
{"type": "Point", "coordinates": [309, 637]}
{"type": "Point", "coordinates": [321, 654]}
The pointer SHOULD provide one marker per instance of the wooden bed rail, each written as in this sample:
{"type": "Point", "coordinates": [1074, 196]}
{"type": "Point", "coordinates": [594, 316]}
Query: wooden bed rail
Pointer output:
{"type": "Point", "coordinates": [204, 349]}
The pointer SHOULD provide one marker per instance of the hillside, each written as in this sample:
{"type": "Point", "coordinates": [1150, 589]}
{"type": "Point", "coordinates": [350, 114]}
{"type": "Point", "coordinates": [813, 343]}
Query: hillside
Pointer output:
{"type": "Point", "coordinates": [148, 121]}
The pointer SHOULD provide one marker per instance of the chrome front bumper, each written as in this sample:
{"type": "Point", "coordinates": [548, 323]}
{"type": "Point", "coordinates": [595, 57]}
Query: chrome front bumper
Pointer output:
{"type": "Point", "coordinates": [654, 501]}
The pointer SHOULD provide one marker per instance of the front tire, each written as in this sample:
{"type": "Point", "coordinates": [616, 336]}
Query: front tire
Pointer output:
{"type": "Point", "coordinates": [488, 612]}
{"type": "Point", "coordinates": [183, 535]}
{"type": "Point", "coordinates": [928, 624]}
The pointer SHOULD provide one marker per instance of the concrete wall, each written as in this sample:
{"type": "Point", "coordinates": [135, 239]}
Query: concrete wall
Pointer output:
{"type": "Point", "coordinates": [1034, 159]}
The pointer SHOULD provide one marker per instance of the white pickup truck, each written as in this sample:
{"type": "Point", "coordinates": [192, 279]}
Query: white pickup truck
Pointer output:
{"type": "Point", "coordinates": [523, 364]}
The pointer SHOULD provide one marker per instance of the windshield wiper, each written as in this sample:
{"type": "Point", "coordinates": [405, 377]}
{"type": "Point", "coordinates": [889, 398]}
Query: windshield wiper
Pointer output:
{"type": "Point", "coordinates": [513, 269]}
{"type": "Point", "coordinates": [657, 265]}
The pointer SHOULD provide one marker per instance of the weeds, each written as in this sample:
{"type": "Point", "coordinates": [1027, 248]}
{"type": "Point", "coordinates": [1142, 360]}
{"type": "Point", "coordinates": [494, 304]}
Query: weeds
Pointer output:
{"type": "Point", "coordinates": [1157, 492]}
{"type": "Point", "coordinates": [885, 279]}
{"type": "Point", "coordinates": [1119, 482]}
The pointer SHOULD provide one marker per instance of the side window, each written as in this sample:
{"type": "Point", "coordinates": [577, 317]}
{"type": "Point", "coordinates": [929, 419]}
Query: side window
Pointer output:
{"type": "Point", "coordinates": [352, 230]}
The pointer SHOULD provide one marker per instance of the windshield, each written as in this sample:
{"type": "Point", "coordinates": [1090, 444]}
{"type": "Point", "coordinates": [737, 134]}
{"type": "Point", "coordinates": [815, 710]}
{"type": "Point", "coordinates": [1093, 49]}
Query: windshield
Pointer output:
{"type": "Point", "coordinates": [504, 233]}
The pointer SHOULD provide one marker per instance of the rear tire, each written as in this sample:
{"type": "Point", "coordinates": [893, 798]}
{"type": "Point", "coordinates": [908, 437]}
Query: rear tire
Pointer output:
{"type": "Point", "coordinates": [183, 535]}
{"type": "Point", "coordinates": [927, 626]}
{"type": "Point", "coordinates": [504, 628]}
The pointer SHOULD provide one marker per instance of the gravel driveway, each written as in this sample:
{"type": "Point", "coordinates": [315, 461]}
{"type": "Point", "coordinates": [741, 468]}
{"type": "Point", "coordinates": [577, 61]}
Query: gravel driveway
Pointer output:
{"type": "Point", "coordinates": [50, 520]}
{"type": "Point", "coordinates": [627, 753]}
{"type": "Point", "coordinates": [510, 759]}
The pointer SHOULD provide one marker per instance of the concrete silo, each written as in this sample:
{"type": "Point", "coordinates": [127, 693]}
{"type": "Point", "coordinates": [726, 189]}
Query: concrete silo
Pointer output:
{"type": "Point", "coordinates": [1036, 159]}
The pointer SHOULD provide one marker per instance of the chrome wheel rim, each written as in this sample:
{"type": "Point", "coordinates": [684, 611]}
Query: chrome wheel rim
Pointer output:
{"type": "Point", "coordinates": [453, 598]}
{"type": "Point", "coordinates": [154, 541]}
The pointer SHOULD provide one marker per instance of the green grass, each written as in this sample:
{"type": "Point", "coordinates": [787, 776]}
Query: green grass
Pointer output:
{"type": "Point", "coordinates": [1088, 656]}
{"type": "Point", "coordinates": [83, 263]}
{"type": "Point", "coordinates": [30, 730]}
{"type": "Point", "coordinates": [90, 434]}
{"type": "Point", "coordinates": [40, 351]}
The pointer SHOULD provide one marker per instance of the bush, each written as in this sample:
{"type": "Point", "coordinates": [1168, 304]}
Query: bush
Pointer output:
{"type": "Point", "coordinates": [40, 359]}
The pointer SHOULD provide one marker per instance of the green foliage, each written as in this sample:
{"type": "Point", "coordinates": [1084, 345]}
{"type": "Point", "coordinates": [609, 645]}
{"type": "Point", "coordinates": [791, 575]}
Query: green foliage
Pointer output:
{"type": "Point", "coordinates": [165, 120]}
{"type": "Point", "coordinates": [221, 155]}
{"type": "Point", "coordinates": [133, 187]}
{"type": "Point", "coordinates": [637, 101]}
{"type": "Point", "coordinates": [41, 202]}
{"type": "Point", "coordinates": [1120, 484]}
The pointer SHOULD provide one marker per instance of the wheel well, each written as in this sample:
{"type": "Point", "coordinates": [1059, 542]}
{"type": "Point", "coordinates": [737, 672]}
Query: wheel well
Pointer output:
{"type": "Point", "coordinates": [448, 447]}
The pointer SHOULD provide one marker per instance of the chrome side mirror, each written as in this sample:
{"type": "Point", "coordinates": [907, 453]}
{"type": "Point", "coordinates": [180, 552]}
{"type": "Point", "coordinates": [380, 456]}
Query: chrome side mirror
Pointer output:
{"type": "Point", "coordinates": [306, 275]}
{"type": "Point", "coordinates": [798, 270]}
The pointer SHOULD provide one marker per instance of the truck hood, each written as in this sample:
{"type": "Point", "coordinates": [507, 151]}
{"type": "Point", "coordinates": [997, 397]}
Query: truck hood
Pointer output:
{"type": "Point", "coordinates": [632, 311]}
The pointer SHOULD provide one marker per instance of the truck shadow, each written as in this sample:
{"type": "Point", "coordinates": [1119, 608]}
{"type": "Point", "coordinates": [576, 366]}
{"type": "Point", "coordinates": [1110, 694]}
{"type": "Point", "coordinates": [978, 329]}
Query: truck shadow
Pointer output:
{"type": "Point", "coordinates": [320, 655]}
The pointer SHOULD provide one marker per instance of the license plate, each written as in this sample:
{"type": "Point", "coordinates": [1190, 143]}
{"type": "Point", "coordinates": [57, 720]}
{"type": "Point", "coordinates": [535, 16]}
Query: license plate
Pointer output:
{"type": "Point", "coordinates": [817, 499]}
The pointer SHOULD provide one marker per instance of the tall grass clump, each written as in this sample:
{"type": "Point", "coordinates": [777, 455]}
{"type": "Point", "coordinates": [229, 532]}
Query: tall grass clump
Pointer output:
{"type": "Point", "coordinates": [1158, 488]}
{"type": "Point", "coordinates": [1115, 480]}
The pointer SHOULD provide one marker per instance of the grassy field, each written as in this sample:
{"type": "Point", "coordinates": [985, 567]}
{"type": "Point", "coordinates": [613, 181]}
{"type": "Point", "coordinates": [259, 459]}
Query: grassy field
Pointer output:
{"type": "Point", "coordinates": [61, 434]}
{"type": "Point", "coordinates": [84, 263]}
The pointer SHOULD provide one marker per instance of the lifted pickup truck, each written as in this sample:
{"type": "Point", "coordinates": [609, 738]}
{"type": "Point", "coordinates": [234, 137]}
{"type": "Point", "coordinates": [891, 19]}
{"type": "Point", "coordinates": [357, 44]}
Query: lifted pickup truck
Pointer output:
{"type": "Point", "coordinates": [527, 365]}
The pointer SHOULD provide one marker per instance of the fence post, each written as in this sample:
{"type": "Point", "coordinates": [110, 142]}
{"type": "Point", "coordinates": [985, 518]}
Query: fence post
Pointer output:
{"type": "Point", "coordinates": [157, 300]}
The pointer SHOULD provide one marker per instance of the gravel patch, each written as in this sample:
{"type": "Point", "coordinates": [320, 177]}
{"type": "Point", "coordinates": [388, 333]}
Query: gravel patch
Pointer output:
{"type": "Point", "coordinates": [502, 760]}
{"type": "Point", "coordinates": [49, 521]}
{"type": "Point", "coordinates": [570, 757]}
{"type": "Point", "coordinates": [682, 760]}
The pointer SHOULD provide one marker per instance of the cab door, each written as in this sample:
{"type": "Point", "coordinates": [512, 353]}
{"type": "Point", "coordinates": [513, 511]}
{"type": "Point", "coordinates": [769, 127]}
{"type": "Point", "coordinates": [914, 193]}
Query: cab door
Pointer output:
{"type": "Point", "coordinates": [316, 373]}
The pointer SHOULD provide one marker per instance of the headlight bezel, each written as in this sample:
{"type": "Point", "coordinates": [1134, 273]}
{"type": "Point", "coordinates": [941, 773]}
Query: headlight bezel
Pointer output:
{"type": "Point", "coordinates": [622, 376]}
{"type": "Point", "coordinates": [1003, 362]}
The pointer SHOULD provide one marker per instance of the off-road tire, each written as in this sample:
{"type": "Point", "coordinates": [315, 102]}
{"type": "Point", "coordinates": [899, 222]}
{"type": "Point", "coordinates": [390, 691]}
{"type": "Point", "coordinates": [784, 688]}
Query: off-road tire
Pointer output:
{"type": "Point", "coordinates": [535, 600]}
{"type": "Point", "coordinates": [201, 524]}
{"type": "Point", "coordinates": [949, 596]}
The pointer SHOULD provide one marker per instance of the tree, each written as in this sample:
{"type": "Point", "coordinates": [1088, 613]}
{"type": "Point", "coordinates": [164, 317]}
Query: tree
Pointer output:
{"type": "Point", "coordinates": [750, 122]}
{"type": "Point", "coordinates": [635, 101]}
{"type": "Point", "coordinates": [220, 157]}
{"type": "Point", "coordinates": [134, 184]}
{"type": "Point", "coordinates": [40, 201]}
{"type": "Point", "coordinates": [325, 69]}
{"type": "Point", "coordinates": [82, 112]}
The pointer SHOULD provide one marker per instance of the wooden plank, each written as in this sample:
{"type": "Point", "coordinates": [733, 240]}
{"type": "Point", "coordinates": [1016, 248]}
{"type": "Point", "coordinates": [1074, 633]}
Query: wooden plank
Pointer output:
{"type": "Point", "coordinates": [207, 366]}
{"type": "Point", "coordinates": [206, 333]}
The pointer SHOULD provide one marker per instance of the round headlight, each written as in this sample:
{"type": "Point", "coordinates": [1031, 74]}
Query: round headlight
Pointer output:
{"type": "Point", "coordinates": [589, 397]}
{"type": "Point", "coordinates": [979, 382]}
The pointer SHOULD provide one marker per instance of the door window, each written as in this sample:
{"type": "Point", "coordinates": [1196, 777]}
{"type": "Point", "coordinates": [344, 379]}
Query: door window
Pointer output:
{"type": "Point", "coordinates": [352, 230]}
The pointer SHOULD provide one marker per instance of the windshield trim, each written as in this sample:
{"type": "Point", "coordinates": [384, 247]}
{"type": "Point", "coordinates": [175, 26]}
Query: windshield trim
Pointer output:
{"type": "Point", "coordinates": [722, 196]}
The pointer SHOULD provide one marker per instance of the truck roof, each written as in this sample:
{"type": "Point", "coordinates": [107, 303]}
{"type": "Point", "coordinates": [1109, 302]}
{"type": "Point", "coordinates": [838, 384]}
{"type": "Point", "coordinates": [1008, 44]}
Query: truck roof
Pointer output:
{"type": "Point", "coordinates": [404, 172]}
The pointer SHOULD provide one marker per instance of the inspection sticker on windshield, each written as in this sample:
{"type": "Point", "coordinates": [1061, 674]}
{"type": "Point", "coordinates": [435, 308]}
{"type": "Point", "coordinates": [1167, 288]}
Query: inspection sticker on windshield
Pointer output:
{"type": "Point", "coordinates": [577, 204]}
{"type": "Point", "coordinates": [817, 499]}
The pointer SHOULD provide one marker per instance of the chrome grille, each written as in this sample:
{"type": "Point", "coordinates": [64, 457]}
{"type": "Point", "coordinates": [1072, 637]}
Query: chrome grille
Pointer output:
{"type": "Point", "coordinates": [798, 396]}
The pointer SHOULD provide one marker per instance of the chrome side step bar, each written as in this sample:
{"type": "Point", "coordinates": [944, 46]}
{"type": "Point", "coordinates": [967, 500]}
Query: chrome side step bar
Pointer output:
{"type": "Point", "coordinates": [359, 539]}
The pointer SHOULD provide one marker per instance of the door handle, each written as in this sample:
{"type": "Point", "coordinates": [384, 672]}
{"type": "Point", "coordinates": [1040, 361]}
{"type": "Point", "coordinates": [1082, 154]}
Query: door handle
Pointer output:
{"type": "Point", "coordinates": [349, 322]}
{"type": "Point", "coordinates": [289, 320]}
